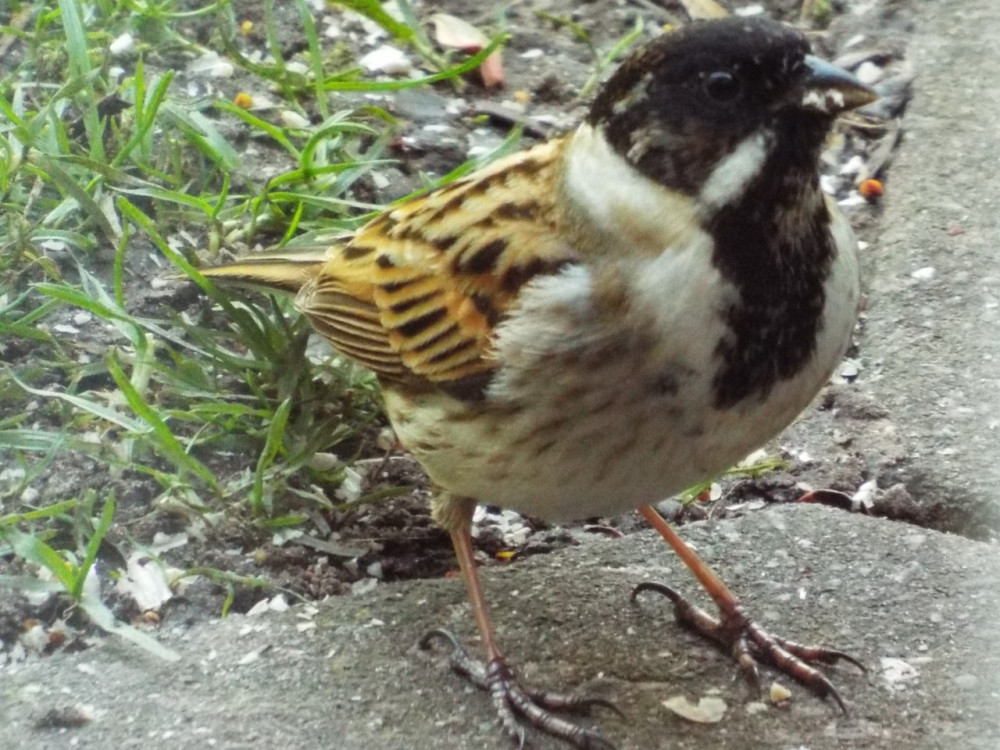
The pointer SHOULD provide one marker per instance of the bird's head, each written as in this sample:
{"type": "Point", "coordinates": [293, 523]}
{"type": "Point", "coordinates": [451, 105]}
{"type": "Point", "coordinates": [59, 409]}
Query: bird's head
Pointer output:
{"type": "Point", "coordinates": [702, 110]}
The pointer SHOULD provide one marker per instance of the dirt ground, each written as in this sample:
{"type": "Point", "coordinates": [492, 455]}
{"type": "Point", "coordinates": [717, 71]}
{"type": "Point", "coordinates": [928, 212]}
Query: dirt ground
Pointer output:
{"type": "Point", "coordinates": [847, 441]}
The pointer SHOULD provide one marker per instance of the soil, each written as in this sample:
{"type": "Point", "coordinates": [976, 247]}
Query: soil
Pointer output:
{"type": "Point", "coordinates": [847, 440]}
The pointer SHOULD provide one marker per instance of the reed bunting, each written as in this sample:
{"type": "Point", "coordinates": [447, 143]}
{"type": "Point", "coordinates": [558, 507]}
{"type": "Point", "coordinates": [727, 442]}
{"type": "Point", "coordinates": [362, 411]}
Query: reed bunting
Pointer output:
{"type": "Point", "coordinates": [593, 324]}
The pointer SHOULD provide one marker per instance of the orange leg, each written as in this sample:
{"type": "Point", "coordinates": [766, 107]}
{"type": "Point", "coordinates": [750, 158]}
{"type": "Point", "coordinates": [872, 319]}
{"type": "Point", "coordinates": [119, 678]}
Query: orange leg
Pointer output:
{"type": "Point", "coordinates": [746, 640]}
{"type": "Point", "coordinates": [515, 705]}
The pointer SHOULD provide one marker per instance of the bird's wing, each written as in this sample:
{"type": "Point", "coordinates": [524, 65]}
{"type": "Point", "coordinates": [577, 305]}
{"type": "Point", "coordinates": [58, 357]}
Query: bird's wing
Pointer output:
{"type": "Point", "coordinates": [417, 292]}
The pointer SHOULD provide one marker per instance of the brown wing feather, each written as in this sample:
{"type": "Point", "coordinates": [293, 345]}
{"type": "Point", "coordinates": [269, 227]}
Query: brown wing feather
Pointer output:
{"type": "Point", "coordinates": [419, 290]}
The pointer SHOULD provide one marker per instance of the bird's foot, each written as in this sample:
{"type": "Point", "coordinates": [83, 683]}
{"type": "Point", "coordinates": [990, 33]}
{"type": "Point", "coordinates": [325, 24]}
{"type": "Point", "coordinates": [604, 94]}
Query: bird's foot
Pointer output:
{"type": "Point", "coordinates": [748, 644]}
{"type": "Point", "coordinates": [517, 706]}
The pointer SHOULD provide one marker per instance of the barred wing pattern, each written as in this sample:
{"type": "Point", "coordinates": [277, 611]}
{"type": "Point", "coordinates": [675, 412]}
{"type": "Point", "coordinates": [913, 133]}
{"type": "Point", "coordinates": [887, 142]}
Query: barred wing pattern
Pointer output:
{"type": "Point", "coordinates": [416, 294]}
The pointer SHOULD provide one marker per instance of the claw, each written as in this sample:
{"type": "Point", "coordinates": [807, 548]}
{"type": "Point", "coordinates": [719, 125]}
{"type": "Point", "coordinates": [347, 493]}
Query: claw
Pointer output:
{"type": "Point", "coordinates": [660, 588]}
{"type": "Point", "coordinates": [748, 643]}
{"type": "Point", "coordinates": [576, 704]}
{"type": "Point", "coordinates": [459, 660]}
{"type": "Point", "coordinates": [445, 635]}
{"type": "Point", "coordinates": [515, 705]}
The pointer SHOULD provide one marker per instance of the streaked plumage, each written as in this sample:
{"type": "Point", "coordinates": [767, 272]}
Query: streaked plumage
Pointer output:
{"type": "Point", "coordinates": [595, 323]}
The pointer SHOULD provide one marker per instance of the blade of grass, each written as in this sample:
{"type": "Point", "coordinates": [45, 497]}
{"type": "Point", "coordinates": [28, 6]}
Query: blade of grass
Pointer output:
{"type": "Point", "coordinates": [84, 404]}
{"type": "Point", "coordinates": [93, 545]}
{"type": "Point", "coordinates": [31, 548]}
{"type": "Point", "coordinates": [49, 511]}
{"type": "Point", "coordinates": [47, 169]}
{"type": "Point", "coordinates": [168, 444]}
{"type": "Point", "coordinates": [263, 125]}
{"type": "Point", "coordinates": [203, 134]}
{"type": "Point", "coordinates": [461, 69]}
{"type": "Point", "coordinates": [104, 618]}
{"type": "Point", "coordinates": [373, 10]}
{"type": "Point", "coordinates": [79, 67]}
{"type": "Point", "coordinates": [273, 444]}
{"type": "Point", "coordinates": [28, 585]}
{"type": "Point", "coordinates": [315, 55]}
{"type": "Point", "coordinates": [147, 106]}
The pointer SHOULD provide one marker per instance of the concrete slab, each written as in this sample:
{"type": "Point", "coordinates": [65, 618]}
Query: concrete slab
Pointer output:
{"type": "Point", "coordinates": [921, 608]}
{"type": "Point", "coordinates": [932, 342]}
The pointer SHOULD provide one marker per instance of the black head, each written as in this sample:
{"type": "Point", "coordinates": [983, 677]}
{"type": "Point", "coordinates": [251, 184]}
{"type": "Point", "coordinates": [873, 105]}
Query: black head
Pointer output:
{"type": "Point", "coordinates": [685, 101]}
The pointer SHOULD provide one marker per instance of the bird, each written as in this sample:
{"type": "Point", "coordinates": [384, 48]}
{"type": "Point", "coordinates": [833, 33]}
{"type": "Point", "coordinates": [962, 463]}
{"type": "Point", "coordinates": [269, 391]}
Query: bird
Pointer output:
{"type": "Point", "coordinates": [592, 324]}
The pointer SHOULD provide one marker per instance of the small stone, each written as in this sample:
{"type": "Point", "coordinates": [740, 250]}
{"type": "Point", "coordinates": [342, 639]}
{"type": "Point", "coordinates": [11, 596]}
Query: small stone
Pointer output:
{"type": "Point", "coordinates": [292, 119]}
{"type": "Point", "coordinates": [868, 72]}
{"type": "Point", "coordinates": [670, 509]}
{"type": "Point", "coordinates": [896, 672]}
{"type": "Point", "coordinates": [966, 681]}
{"type": "Point", "coordinates": [848, 370]}
{"type": "Point", "coordinates": [324, 462]}
{"type": "Point", "coordinates": [212, 66]}
{"type": "Point", "coordinates": [386, 59]}
{"type": "Point", "coordinates": [364, 586]}
{"type": "Point", "coordinates": [121, 45]}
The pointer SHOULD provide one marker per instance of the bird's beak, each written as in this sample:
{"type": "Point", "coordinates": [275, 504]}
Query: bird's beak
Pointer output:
{"type": "Point", "coordinates": [831, 90]}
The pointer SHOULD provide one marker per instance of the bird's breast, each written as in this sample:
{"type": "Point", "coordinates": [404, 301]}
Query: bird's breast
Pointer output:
{"type": "Point", "coordinates": [605, 397]}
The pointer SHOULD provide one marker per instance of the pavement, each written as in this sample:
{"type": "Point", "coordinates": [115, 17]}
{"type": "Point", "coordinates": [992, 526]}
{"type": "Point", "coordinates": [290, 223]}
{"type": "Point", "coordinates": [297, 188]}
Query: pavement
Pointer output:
{"type": "Point", "coordinates": [920, 608]}
{"type": "Point", "coordinates": [933, 336]}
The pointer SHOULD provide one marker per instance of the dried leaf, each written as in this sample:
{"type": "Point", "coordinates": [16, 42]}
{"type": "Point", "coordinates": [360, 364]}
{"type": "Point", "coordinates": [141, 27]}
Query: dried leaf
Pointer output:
{"type": "Point", "coordinates": [698, 9]}
{"type": "Point", "coordinates": [454, 33]}
{"type": "Point", "coordinates": [145, 581]}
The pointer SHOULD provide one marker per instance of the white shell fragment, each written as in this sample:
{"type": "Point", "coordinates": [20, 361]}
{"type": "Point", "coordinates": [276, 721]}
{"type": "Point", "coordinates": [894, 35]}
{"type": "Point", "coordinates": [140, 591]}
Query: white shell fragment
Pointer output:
{"type": "Point", "coordinates": [350, 487]}
{"type": "Point", "coordinates": [708, 710]}
{"type": "Point", "coordinates": [211, 65]}
{"type": "Point", "coordinates": [275, 604]}
{"type": "Point", "coordinates": [865, 495]}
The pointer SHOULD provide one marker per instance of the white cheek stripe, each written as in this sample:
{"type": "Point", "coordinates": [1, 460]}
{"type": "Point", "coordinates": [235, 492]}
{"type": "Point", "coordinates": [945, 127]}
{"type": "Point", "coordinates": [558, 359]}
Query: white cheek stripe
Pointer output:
{"type": "Point", "coordinates": [733, 173]}
{"type": "Point", "coordinates": [605, 186]}
{"type": "Point", "coordinates": [619, 201]}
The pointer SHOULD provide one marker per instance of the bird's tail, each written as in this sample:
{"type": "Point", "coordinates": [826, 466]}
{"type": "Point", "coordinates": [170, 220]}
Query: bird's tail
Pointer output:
{"type": "Point", "coordinates": [279, 272]}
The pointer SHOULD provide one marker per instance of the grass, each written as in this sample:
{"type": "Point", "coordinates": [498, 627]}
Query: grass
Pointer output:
{"type": "Point", "coordinates": [114, 173]}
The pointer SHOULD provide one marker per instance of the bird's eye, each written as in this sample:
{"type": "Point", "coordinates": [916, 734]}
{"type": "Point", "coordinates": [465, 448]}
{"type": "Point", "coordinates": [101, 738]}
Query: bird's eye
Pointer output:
{"type": "Point", "coordinates": [722, 86]}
